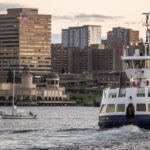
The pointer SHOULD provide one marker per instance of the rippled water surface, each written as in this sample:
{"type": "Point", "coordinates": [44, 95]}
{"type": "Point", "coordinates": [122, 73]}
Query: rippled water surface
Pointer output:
{"type": "Point", "coordinates": [68, 128]}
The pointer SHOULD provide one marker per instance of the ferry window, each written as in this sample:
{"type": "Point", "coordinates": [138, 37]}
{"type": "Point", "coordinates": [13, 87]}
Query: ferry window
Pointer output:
{"type": "Point", "coordinates": [111, 108]}
{"type": "Point", "coordinates": [121, 108]}
{"type": "Point", "coordinates": [140, 92]}
{"type": "Point", "coordinates": [147, 63]}
{"type": "Point", "coordinates": [143, 63]}
{"type": "Point", "coordinates": [112, 95]}
{"type": "Point", "coordinates": [139, 63]}
{"type": "Point", "coordinates": [122, 92]}
{"type": "Point", "coordinates": [148, 92]}
{"type": "Point", "coordinates": [103, 109]}
{"type": "Point", "coordinates": [148, 107]}
{"type": "Point", "coordinates": [129, 64]}
{"type": "Point", "coordinates": [140, 107]}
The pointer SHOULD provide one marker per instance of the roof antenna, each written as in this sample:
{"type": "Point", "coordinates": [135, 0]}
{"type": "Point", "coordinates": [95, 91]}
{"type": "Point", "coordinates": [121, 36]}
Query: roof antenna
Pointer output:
{"type": "Point", "coordinates": [147, 34]}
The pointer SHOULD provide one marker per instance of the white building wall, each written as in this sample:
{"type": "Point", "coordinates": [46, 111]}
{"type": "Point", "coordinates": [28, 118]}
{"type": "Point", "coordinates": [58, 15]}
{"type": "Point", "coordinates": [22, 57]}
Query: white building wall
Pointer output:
{"type": "Point", "coordinates": [94, 35]}
{"type": "Point", "coordinates": [54, 93]}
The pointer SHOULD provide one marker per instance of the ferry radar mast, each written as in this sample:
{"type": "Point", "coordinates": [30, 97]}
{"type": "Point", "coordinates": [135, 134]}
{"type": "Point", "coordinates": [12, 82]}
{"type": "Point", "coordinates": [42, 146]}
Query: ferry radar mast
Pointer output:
{"type": "Point", "coordinates": [138, 65]}
{"type": "Point", "coordinates": [147, 33]}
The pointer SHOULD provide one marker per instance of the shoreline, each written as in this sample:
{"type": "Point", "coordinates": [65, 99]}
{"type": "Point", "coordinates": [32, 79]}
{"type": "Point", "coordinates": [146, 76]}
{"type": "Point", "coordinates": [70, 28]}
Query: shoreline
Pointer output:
{"type": "Point", "coordinates": [45, 103]}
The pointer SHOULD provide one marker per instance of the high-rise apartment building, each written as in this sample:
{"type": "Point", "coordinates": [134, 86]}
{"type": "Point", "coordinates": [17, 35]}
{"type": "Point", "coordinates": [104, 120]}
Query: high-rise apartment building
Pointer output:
{"type": "Point", "coordinates": [77, 60]}
{"type": "Point", "coordinates": [25, 40]}
{"type": "Point", "coordinates": [81, 37]}
{"type": "Point", "coordinates": [59, 58]}
{"type": "Point", "coordinates": [127, 36]}
{"type": "Point", "coordinates": [69, 60]}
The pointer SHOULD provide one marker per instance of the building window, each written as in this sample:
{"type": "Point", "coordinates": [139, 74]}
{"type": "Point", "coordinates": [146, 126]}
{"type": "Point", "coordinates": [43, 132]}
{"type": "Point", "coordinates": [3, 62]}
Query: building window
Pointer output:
{"type": "Point", "coordinates": [141, 107]}
{"type": "Point", "coordinates": [121, 108]}
{"type": "Point", "coordinates": [52, 82]}
{"type": "Point", "coordinates": [110, 108]}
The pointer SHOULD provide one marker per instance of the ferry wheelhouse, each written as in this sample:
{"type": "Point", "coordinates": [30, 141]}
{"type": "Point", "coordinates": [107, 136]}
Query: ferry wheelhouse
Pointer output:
{"type": "Point", "coordinates": [124, 106]}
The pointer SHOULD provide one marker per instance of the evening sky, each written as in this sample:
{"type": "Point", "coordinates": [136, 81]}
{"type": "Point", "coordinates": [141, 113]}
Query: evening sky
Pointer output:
{"type": "Point", "coordinates": [107, 13]}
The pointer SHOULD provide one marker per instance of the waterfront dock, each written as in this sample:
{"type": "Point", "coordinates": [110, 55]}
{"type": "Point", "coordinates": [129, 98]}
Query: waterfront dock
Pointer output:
{"type": "Point", "coordinates": [38, 103]}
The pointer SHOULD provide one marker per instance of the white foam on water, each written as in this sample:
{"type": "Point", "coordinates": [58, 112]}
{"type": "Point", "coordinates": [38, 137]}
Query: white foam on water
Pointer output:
{"type": "Point", "coordinates": [131, 128]}
{"type": "Point", "coordinates": [123, 129]}
{"type": "Point", "coordinates": [4, 144]}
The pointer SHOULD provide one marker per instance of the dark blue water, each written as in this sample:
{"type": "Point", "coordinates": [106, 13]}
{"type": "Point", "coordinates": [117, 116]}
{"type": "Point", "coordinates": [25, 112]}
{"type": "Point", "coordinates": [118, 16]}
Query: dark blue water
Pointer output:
{"type": "Point", "coordinates": [68, 128]}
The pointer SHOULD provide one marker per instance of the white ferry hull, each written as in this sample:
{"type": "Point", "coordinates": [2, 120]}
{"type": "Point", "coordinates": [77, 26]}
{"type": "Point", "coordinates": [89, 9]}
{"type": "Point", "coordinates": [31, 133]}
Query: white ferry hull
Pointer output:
{"type": "Point", "coordinates": [142, 121]}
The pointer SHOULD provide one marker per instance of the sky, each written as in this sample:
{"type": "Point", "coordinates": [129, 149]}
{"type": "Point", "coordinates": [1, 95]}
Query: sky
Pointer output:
{"type": "Point", "coordinates": [68, 13]}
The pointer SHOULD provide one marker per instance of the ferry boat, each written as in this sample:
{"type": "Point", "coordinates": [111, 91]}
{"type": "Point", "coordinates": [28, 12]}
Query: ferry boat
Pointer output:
{"type": "Point", "coordinates": [131, 105]}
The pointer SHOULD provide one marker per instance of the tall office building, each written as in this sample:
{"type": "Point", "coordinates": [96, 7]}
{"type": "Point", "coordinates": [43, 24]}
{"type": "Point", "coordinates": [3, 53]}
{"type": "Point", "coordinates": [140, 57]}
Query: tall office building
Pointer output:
{"type": "Point", "coordinates": [81, 37]}
{"type": "Point", "coordinates": [25, 40]}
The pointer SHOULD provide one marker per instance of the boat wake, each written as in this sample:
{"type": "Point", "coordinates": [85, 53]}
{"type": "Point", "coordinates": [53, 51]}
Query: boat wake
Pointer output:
{"type": "Point", "coordinates": [114, 138]}
{"type": "Point", "coordinates": [77, 129]}
{"type": "Point", "coordinates": [123, 129]}
{"type": "Point", "coordinates": [23, 131]}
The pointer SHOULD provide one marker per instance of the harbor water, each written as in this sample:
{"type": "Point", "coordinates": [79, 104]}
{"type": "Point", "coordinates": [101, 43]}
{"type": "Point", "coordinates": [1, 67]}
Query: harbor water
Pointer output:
{"type": "Point", "coordinates": [68, 128]}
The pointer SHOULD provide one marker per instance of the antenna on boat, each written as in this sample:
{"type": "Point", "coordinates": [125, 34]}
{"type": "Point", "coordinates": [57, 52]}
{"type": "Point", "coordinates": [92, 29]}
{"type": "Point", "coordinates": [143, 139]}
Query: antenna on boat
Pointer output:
{"type": "Point", "coordinates": [147, 33]}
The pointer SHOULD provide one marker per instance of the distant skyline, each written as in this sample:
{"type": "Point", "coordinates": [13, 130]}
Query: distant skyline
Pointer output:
{"type": "Point", "coordinates": [67, 13]}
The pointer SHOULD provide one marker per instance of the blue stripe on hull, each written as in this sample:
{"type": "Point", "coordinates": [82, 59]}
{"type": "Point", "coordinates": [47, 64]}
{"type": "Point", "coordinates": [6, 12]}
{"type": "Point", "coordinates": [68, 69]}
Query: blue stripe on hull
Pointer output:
{"type": "Point", "coordinates": [142, 121]}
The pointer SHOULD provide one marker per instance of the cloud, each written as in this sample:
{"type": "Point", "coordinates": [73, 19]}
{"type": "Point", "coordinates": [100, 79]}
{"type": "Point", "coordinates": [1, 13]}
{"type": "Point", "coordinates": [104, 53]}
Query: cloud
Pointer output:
{"type": "Point", "coordinates": [5, 6]}
{"type": "Point", "coordinates": [84, 17]}
{"type": "Point", "coordinates": [132, 22]}
{"type": "Point", "coordinates": [63, 17]}
{"type": "Point", "coordinates": [96, 16]}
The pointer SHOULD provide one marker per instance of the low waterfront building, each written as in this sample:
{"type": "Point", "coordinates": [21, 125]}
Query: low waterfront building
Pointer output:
{"type": "Point", "coordinates": [26, 91]}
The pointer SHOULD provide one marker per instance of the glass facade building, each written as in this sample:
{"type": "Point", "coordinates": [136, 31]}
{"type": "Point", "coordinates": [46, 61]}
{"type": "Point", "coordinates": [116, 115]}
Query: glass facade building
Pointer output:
{"type": "Point", "coordinates": [25, 40]}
